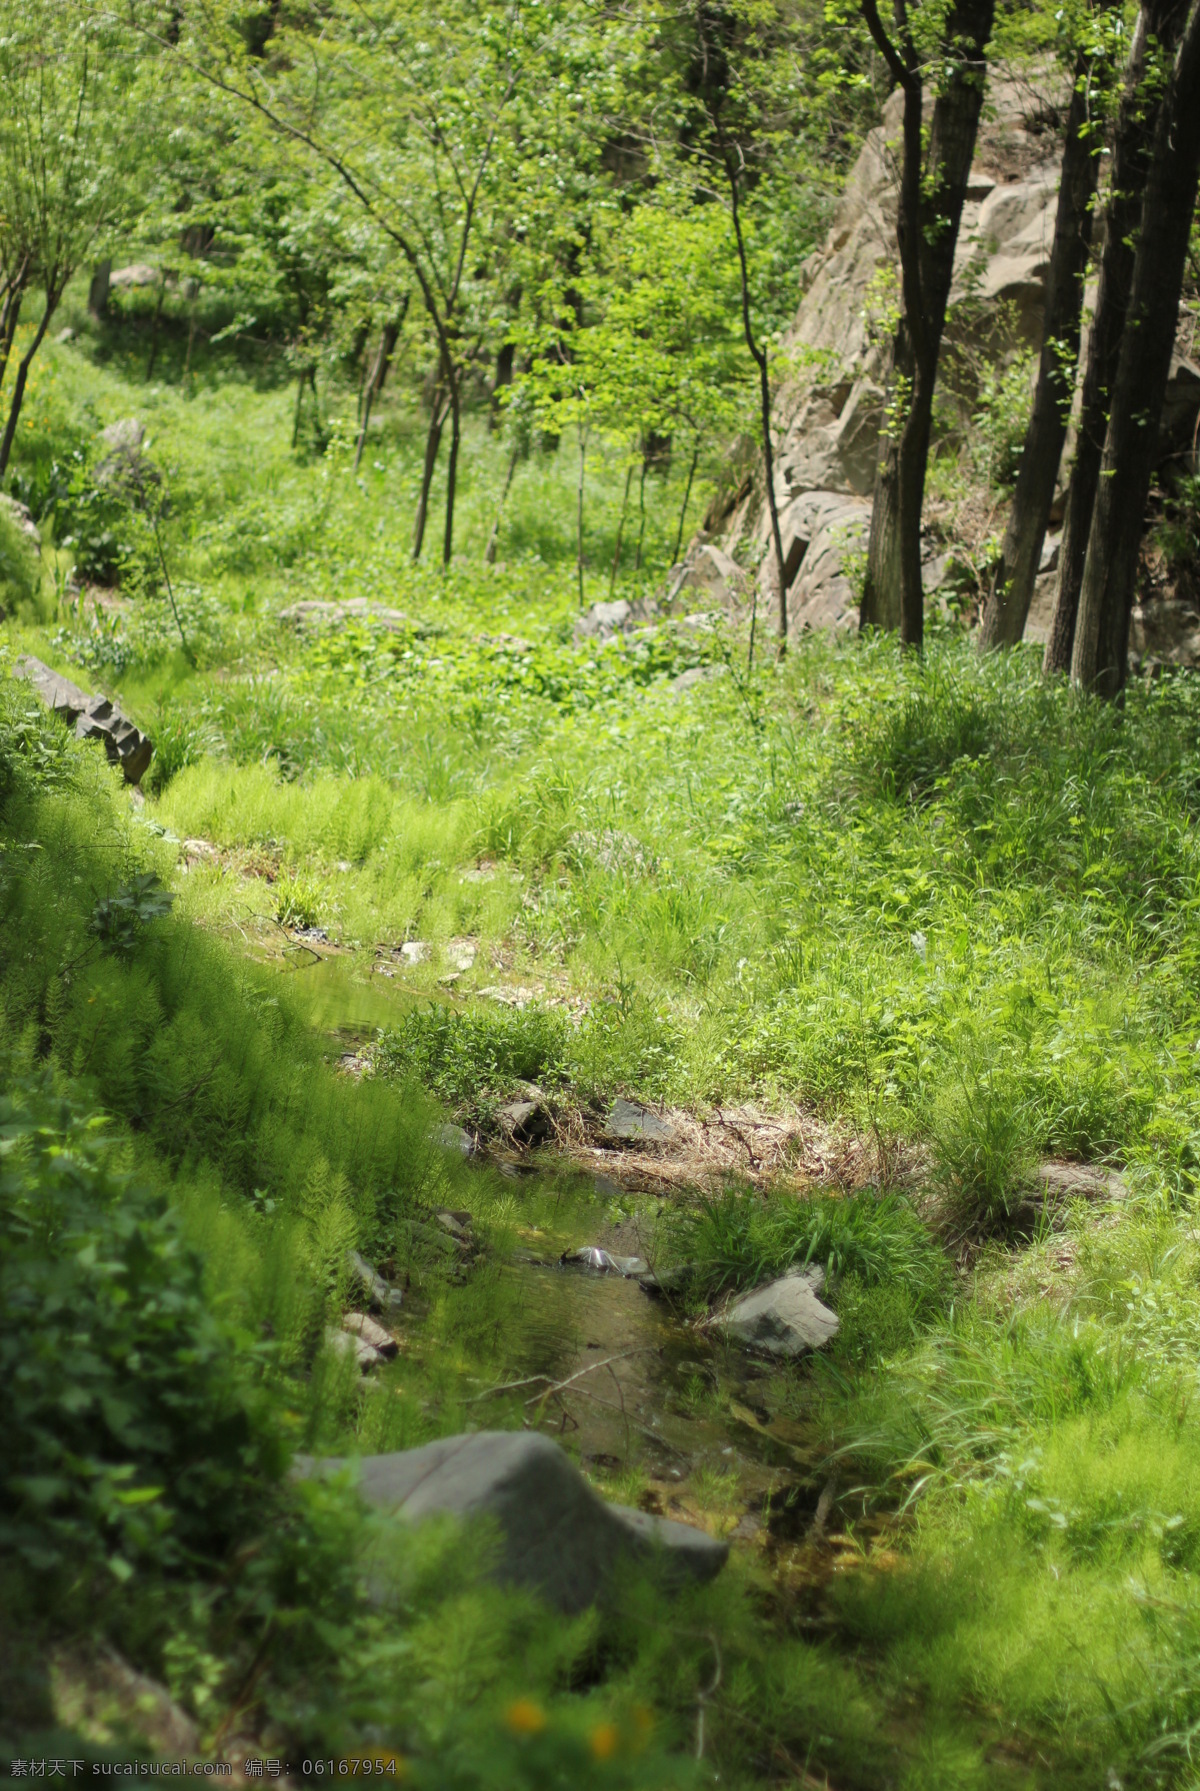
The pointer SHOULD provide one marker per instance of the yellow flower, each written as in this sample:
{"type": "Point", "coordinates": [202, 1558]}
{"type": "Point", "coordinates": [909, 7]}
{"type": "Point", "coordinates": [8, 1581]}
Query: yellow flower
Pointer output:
{"type": "Point", "coordinates": [525, 1717]}
{"type": "Point", "coordinates": [603, 1740]}
{"type": "Point", "coordinates": [643, 1726]}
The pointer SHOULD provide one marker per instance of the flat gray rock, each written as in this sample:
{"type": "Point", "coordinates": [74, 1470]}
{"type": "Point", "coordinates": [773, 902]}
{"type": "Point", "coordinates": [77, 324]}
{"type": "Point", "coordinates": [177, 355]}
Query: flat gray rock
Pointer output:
{"type": "Point", "coordinates": [630, 1121]}
{"type": "Point", "coordinates": [785, 1317]}
{"type": "Point", "coordinates": [556, 1535]}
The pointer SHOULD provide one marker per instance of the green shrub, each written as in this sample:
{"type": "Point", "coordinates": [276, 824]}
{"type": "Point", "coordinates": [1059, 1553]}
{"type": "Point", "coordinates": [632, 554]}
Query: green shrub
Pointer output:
{"type": "Point", "coordinates": [132, 1439]}
{"type": "Point", "coordinates": [20, 569]}
{"type": "Point", "coordinates": [470, 1056]}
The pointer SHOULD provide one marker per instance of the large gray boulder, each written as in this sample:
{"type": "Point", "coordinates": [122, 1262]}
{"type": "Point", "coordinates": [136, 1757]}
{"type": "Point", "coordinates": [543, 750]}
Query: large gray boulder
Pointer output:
{"type": "Point", "coordinates": [785, 1318]}
{"type": "Point", "coordinates": [554, 1534]}
{"type": "Point", "coordinates": [92, 717]}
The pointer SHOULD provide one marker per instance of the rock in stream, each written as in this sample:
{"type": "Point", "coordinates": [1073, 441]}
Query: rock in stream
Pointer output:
{"type": "Point", "coordinates": [556, 1535]}
{"type": "Point", "coordinates": [785, 1317]}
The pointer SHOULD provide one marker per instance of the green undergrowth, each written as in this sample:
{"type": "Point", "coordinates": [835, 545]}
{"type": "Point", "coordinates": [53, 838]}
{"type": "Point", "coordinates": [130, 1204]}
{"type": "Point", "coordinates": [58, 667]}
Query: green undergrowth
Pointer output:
{"type": "Point", "coordinates": [937, 905]}
{"type": "Point", "coordinates": [181, 1177]}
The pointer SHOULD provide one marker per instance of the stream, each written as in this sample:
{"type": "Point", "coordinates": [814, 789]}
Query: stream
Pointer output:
{"type": "Point", "coordinates": [646, 1395]}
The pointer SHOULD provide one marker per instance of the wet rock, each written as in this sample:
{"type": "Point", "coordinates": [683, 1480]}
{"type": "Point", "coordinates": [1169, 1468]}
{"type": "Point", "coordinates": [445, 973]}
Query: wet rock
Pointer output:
{"type": "Point", "coordinates": [629, 1122]}
{"type": "Point", "coordinates": [23, 517]}
{"type": "Point", "coordinates": [457, 1224]}
{"type": "Point", "coordinates": [125, 437]}
{"type": "Point", "coordinates": [452, 1137]}
{"type": "Point", "coordinates": [359, 1324]}
{"type": "Point", "coordinates": [590, 1256]}
{"type": "Point", "coordinates": [555, 1534]}
{"type": "Point", "coordinates": [698, 674]}
{"type": "Point", "coordinates": [667, 1281]}
{"type": "Point", "coordinates": [526, 1122]}
{"type": "Point", "coordinates": [92, 717]}
{"type": "Point", "coordinates": [344, 1343]}
{"type": "Point", "coordinates": [785, 1318]}
{"type": "Point", "coordinates": [384, 1298]}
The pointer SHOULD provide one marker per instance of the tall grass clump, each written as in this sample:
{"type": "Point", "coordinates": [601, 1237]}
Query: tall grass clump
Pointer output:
{"type": "Point", "coordinates": [983, 1130]}
{"type": "Point", "coordinates": [736, 1239]}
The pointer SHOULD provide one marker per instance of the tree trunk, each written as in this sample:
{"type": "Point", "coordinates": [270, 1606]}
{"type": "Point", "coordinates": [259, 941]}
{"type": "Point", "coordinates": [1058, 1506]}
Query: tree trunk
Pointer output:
{"type": "Point", "coordinates": [23, 366]}
{"type": "Point", "coordinates": [374, 386]}
{"type": "Point", "coordinates": [579, 512]}
{"type": "Point", "coordinates": [158, 311]}
{"type": "Point", "coordinates": [1012, 589]}
{"type": "Point", "coordinates": [452, 466]}
{"type": "Point", "coordinates": [612, 577]}
{"type": "Point", "coordinates": [489, 552]}
{"type": "Point", "coordinates": [9, 319]}
{"type": "Point", "coordinates": [98, 290]}
{"type": "Point", "coordinates": [1099, 660]}
{"type": "Point", "coordinates": [637, 558]}
{"type": "Point", "coordinates": [433, 441]}
{"type": "Point", "coordinates": [686, 500]}
{"type": "Point", "coordinates": [1131, 146]}
{"type": "Point", "coordinates": [932, 189]}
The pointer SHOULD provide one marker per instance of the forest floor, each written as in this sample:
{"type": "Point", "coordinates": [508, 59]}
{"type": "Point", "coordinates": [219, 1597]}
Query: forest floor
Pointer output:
{"type": "Point", "coordinates": [875, 939]}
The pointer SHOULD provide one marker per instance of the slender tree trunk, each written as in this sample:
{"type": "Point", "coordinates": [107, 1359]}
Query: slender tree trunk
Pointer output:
{"type": "Point", "coordinates": [686, 499]}
{"type": "Point", "coordinates": [1012, 589]}
{"type": "Point", "coordinates": [932, 189]}
{"type": "Point", "coordinates": [758, 355]}
{"type": "Point", "coordinates": [1099, 660]}
{"type": "Point", "coordinates": [579, 511]}
{"type": "Point", "coordinates": [452, 465]}
{"type": "Point", "coordinates": [1162, 19]}
{"type": "Point", "coordinates": [612, 577]}
{"type": "Point", "coordinates": [374, 384]}
{"type": "Point", "coordinates": [433, 441]}
{"type": "Point", "coordinates": [494, 538]}
{"type": "Point", "coordinates": [9, 319]}
{"type": "Point", "coordinates": [23, 366]}
{"type": "Point", "coordinates": [98, 290]}
{"type": "Point", "coordinates": [158, 311]}
{"type": "Point", "coordinates": [637, 558]}
{"type": "Point", "coordinates": [187, 359]}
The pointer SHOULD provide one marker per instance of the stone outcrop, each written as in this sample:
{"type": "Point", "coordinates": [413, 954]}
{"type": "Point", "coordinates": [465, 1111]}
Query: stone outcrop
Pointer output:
{"type": "Point", "coordinates": [785, 1318]}
{"type": "Point", "coordinates": [91, 717]}
{"type": "Point", "coordinates": [314, 612]}
{"type": "Point", "coordinates": [829, 415]}
{"type": "Point", "coordinates": [552, 1533]}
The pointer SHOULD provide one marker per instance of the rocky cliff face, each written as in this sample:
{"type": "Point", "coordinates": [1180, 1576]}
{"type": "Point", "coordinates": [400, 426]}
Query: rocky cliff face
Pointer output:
{"type": "Point", "coordinates": [828, 416]}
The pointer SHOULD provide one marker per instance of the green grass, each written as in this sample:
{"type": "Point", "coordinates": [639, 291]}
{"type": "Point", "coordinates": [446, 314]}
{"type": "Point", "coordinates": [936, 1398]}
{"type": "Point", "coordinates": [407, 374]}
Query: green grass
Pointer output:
{"type": "Point", "coordinates": [939, 904]}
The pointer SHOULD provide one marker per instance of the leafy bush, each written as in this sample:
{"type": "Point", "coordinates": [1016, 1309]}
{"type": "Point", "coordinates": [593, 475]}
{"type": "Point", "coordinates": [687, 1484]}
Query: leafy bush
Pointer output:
{"type": "Point", "coordinates": [470, 1056]}
{"type": "Point", "coordinates": [20, 567]}
{"type": "Point", "coordinates": [131, 1437]}
{"type": "Point", "coordinates": [94, 519]}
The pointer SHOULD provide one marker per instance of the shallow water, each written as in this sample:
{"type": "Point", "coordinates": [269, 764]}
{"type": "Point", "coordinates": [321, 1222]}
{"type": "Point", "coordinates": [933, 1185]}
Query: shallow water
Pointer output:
{"type": "Point", "coordinates": [635, 1386]}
